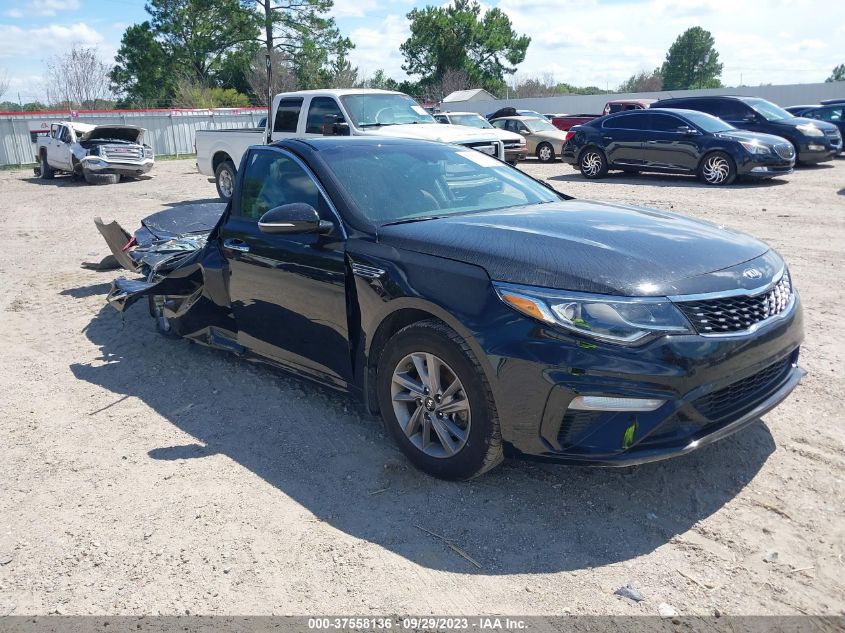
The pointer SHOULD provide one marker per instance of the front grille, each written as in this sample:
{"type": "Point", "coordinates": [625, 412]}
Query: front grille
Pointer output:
{"type": "Point", "coordinates": [513, 145]}
{"type": "Point", "coordinates": [736, 314]}
{"type": "Point", "coordinates": [485, 147]}
{"type": "Point", "coordinates": [574, 424]}
{"type": "Point", "coordinates": [123, 153]}
{"type": "Point", "coordinates": [785, 150]}
{"type": "Point", "coordinates": [742, 395]}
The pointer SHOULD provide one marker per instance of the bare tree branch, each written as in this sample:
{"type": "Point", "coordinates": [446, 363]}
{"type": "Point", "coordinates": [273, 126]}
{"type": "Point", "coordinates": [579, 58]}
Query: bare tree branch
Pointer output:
{"type": "Point", "coordinates": [4, 82]}
{"type": "Point", "coordinates": [78, 78]}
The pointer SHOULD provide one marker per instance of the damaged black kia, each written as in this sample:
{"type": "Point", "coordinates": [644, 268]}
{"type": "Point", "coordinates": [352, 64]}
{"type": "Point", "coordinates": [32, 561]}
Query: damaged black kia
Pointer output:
{"type": "Point", "coordinates": [476, 309]}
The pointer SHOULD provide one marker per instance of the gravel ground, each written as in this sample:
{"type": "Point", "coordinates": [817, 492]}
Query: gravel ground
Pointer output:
{"type": "Point", "coordinates": [142, 475]}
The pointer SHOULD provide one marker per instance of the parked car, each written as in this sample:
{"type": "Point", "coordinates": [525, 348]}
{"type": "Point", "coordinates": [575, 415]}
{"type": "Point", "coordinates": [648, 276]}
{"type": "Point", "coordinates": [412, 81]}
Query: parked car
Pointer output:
{"type": "Point", "coordinates": [814, 141]}
{"type": "Point", "coordinates": [832, 113]}
{"type": "Point", "coordinates": [514, 144]}
{"type": "Point", "coordinates": [99, 153]}
{"type": "Point", "coordinates": [475, 318]}
{"type": "Point", "coordinates": [676, 141]}
{"type": "Point", "coordinates": [508, 111]}
{"type": "Point", "coordinates": [543, 139]}
{"type": "Point", "coordinates": [358, 112]}
{"type": "Point", "coordinates": [566, 122]}
{"type": "Point", "coordinates": [836, 101]}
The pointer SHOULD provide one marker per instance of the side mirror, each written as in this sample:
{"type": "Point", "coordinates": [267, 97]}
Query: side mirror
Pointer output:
{"type": "Point", "coordinates": [334, 125]}
{"type": "Point", "coordinates": [297, 217]}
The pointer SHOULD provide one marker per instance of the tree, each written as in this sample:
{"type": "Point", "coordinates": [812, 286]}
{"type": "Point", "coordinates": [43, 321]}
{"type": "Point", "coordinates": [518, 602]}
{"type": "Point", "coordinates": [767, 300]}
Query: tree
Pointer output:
{"type": "Point", "coordinates": [457, 37]}
{"type": "Point", "coordinates": [341, 73]}
{"type": "Point", "coordinates": [692, 62]}
{"type": "Point", "coordinates": [838, 74]}
{"type": "Point", "coordinates": [34, 106]}
{"type": "Point", "coordinates": [143, 73]}
{"type": "Point", "coordinates": [284, 76]}
{"type": "Point", "coordinates": [643, 81]}
{"type": "Point", "coordinates": [380, 81]}
{"type": "Point", "coordinates": [198, 35]}
{"type": "Point", "coordinates": [4, 82]}
{"type": "Point", "coordinates": [192, 94]}
{"type": "Point", "coordinates": [79, 78]}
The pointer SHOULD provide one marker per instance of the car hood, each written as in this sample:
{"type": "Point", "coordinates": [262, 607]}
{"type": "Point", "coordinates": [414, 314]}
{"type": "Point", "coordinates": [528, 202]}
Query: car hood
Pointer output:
{"type": "Point", "coordinates": [443, 132]}
{"type": "Point", "coordinates": [590, 247]}
{"type": "Point", "coordinates": [799, 120]}
{"type": "Point", "coordinates": [504, 135]}
{"type": "Point", "coordinates": [128, 133]}
{"type": "Point", "coordinates": [742, 135]}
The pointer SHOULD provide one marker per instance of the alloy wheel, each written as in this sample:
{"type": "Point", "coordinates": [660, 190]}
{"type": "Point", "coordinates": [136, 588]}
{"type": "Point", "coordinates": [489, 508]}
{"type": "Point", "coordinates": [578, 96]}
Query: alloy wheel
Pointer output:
{"type": "Point", "coordinates": [430, 404]}
{"type": "Point", "coordinates": [716, 170]}
{"type": "Point", "coordinates": [591, 163]}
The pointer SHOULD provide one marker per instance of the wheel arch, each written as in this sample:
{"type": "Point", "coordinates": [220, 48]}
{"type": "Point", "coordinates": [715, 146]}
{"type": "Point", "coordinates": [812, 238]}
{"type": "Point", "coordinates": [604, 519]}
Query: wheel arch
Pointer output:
{"type": "Point", "coordinates": [219, 158]}
{"type": "Point", "coordinates": [404, 312]}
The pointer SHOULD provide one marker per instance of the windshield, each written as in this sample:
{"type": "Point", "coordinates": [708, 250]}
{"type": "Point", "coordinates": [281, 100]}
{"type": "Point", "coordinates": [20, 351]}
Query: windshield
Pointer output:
{"type": "Point", "coordinates": [367, 110]}
{"type": "Point", "coordinates": [708, 122]}
{"type": "Point", "coordinates": [768, 110]}
{"type": "Point", "coordinates": [539, 125]}
{"type": "Point", "coordinates": [412, 182]}
{"type": "Point", "coordinates": [472, 120]}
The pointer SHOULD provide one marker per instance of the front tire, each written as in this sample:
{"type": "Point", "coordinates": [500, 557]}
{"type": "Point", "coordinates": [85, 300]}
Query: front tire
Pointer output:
{"type": "Point", "coordinates": [224, 176]}
{"type": "Point", "coordinates": [101, 179]}
{"type": "Point", "coordinates": [46, 171]}
{"type": "Point", "coordinates": [593, 163]}
{"type": "Point", "coordinates": [545, 153]}
{"type": "Point", "coordinates": [717, 169]}
{"type": "Point", "coordinates": [436, 402]}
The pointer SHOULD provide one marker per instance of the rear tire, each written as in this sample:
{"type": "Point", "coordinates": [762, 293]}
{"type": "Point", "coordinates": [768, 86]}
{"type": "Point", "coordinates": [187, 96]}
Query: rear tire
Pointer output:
{"type": "Point", "coordinates": [47, 172]}
{"type": "Point", "coordinates": [101, 179]}
{"type": "Point", "coordinates": [452, 430]}
{"type": "Point", "coordinates": [545, 153]}
{"type": "Point", "coordinates": [224, 176]}
{"type": "Point", "coordinates": [592, 163]}
{"type": "Point", "coordinates": [717, 169]}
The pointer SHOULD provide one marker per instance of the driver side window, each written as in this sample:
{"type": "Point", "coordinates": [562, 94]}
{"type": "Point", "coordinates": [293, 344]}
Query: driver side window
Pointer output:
{"type": "Point", "coordinates": [272, 179]}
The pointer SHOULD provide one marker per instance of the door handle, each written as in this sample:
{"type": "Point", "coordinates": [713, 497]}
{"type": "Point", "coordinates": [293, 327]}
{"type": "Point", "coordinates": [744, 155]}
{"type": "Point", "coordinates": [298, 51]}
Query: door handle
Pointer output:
{"type": "Point", "coordinates": [607, 138]}
{"type": "Point", "coordinates": [236, 245]}
{"type": "Point", "coordinates": [652, 142]}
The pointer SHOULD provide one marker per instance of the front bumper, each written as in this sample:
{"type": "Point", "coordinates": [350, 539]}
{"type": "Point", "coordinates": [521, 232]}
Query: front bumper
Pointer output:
{"type": "Point", "coordinates": [516, 154]}
{"type": "Point", "coordinates": [764, 166]}
{"type": "Point", "coordinates": [818, 150]}
{"type": "Point", "coordinates": [99, 165]}
{"type": "Point", "coordinates": [712, 387]}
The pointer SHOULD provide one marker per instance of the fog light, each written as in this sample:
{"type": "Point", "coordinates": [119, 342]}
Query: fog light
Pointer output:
{"type": "Point", "coordinates": [815, 148]}
{"type": "Point", "coordinates": [605, 403]}
{"type": "Point", "coordinates": [760, 170]}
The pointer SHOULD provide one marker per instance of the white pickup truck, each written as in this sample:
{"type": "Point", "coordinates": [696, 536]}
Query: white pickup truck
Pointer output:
{"type": "Point", "coordinates": [100, 153]}
{"type": "Point", "coordinates": [361, 112]}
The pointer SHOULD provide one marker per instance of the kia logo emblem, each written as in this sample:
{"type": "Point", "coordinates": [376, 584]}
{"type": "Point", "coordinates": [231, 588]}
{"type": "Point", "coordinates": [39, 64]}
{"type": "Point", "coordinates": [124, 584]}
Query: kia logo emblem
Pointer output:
{"type": "Point", "coordinates": [752, 273]}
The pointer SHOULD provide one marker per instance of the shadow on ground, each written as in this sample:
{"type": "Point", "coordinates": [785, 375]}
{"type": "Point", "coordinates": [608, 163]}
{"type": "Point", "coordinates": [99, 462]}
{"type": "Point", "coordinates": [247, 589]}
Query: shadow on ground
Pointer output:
{"type": "Point", "coordinates": [315, 447]}
{"type": "Point", "coordinates": [666, 180]}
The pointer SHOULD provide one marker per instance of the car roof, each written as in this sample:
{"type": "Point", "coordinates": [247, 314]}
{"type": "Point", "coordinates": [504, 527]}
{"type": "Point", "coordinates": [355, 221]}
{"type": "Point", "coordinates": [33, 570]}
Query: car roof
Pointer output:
{"type": "Point", "coordinates": [518, 117]}
{"type": "Point", "coordinates": [450, 112]}
{"type": "Point", "coordinates": [332, 142]}
{"type": "Point", "coordinates": [339, 92]}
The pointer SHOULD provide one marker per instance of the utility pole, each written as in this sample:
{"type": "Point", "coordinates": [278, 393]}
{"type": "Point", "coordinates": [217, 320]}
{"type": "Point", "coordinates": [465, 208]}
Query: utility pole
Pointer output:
{"type": "Point", "coordinates": [269, 65]}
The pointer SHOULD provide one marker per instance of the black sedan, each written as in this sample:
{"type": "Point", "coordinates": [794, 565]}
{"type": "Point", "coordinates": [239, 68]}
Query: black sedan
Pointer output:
{"type": "Point", "coordinates": [675, 142]}
{"type": "Point", "coordinates": [476, 309]}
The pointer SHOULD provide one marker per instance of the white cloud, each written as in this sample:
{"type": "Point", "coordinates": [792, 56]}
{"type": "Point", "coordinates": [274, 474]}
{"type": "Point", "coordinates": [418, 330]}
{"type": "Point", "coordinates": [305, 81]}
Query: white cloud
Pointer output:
{"type": "Point", "coordinates": [51, 7]}
{"type": "Point", "coordinates": [13, 13]}
{"type": "Point", "coordinates": [378, 47]}
{"type": "Point", "coordinates": [16, 42]}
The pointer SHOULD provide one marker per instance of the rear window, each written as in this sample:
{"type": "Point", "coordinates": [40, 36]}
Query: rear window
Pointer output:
{"type": "Point", "coordinates": [287, 115]}
{"type": "Point", "coordinates": [627, 122]}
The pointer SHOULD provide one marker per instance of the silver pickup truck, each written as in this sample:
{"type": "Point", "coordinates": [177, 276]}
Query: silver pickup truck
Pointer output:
{"type": "Point", "coordinates": [99, 153]}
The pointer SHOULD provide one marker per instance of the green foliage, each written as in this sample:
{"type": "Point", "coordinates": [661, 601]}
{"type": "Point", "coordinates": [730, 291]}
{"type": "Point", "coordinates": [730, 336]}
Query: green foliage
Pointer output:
{"type": "Point", "coordinates": [692, 62]}
{"type": "Point", "coordinates": [144, 71]}
{"type": "Point", "coordinates": [457, 37]}
{"type": "Point", "coordinates": [190, 94]}
{"type": "Point", "coordinates": [35, 106]}
{"type": "Point", "coordinates": [838, 74]}
{"type": "Point", "coordinates": [9, 106]}
{"type": "Point", "coordinates": [643, 81]}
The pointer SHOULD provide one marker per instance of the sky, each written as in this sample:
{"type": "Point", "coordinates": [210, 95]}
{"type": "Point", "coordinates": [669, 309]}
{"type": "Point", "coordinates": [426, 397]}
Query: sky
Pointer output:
{"type": "Point", "coordinates": [581, 42]}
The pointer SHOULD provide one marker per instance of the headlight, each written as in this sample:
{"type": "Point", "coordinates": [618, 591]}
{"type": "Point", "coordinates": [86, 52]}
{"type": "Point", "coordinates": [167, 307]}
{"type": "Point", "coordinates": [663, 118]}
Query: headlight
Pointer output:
{"type": "Point", "coordinates": [754, 147]}
{"type": "Point", "coordinates": [808, 129]}
{"type": "Point", "coordinates": [605, 317]}
{"type": "Point", "coordinates": [148, 152]}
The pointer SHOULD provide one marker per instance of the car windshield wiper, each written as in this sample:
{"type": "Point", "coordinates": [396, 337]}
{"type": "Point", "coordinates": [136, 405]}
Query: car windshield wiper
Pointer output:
{"type": "Point", "coordinates": [376, 124]}
{"type": "Point", "coordinates": [421, 218]}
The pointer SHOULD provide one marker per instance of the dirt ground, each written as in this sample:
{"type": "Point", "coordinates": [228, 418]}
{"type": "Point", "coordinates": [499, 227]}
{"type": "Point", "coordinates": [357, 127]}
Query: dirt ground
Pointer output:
{"type": "Point", "coordinates": [141, 475]}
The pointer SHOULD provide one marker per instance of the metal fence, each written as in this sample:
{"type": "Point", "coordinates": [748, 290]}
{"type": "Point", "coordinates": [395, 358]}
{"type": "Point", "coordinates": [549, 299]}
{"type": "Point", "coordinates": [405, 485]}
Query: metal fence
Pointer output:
{"type": "Point", "coordinates": [788, 95]}
{"type": "Point", "coordinates": [169, 132]}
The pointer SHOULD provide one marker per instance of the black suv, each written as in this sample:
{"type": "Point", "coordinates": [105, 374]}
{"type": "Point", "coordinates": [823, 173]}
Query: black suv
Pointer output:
{"type": "Point", "coordinates": [814, 141]}
{"type": "Point", "coordinates": [675, 141]}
